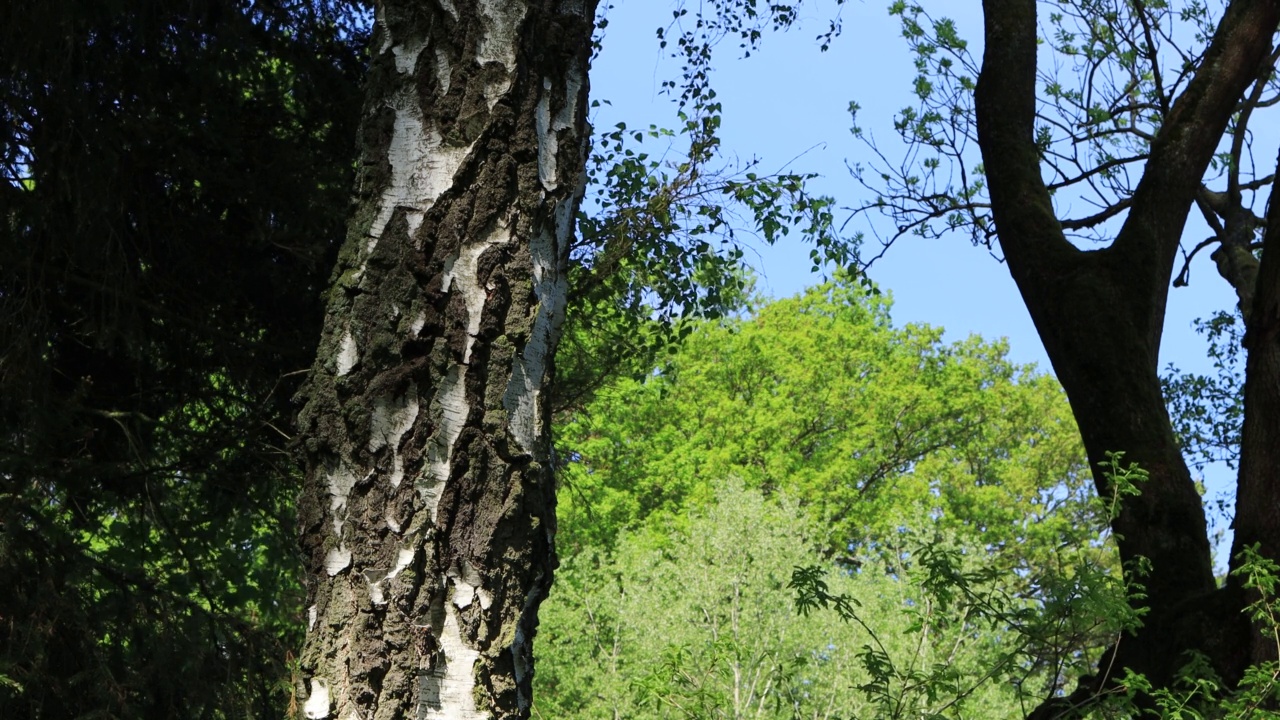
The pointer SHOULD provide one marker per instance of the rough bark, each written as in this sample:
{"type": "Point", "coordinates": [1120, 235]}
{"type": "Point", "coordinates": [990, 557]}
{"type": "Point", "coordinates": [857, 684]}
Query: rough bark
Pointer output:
{"type": "Point", "coordinates": [1257, 521]}
{"type": "Point", "coordinates": [1100, 313]}
{"type": "Point", "coordinates": [427, 517]}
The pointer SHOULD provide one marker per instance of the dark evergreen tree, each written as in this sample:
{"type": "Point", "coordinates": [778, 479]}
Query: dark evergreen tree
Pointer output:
{"type": "Point", "coordinates": [175, 184]}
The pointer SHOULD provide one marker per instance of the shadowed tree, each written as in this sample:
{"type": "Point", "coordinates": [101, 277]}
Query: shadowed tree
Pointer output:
{"type": "Point", "coordinates": [174, 177]}
{"type": "Point", "coordinates": [428, 511]}
{"type": "Point", "coordinates": [1100, 314]}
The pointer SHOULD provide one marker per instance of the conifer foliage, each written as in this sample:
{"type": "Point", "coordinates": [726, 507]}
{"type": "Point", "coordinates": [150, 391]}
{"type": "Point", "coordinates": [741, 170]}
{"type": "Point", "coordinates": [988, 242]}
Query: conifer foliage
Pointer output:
{"type": "Point", "coordinates": [174, 185]}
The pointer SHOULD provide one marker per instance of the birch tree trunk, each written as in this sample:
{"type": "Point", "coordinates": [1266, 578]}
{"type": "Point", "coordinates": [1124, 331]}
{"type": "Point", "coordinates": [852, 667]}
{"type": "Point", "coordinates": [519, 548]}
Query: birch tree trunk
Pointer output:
{"type": "Point", "coordinates": [427, 518]}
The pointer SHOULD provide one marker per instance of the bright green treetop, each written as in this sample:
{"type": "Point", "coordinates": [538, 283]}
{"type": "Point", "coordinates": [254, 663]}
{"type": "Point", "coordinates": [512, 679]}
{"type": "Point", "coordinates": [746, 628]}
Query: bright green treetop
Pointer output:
{"type": "Point", "coordinates": [865, 424]}
{"type": "Point", "coordinates": [939, 487]}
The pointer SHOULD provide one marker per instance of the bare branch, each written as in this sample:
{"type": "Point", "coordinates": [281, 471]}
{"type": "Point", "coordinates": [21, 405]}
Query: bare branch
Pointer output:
{"type": "Point", "coordinates": [1098, 218]}
{"type": "Point", "coordinates": [1242, 123]}
{"type": "Point", "coordinates": [1184, 275]}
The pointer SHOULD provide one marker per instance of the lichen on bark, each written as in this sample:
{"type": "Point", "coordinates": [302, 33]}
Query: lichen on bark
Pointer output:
{"type": "Point", "coordinates": [427, 515]}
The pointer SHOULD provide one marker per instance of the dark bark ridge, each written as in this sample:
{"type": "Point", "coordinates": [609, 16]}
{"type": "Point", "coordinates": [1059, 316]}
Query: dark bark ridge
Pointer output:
{"type": "Point", "coordinates": [1100, 313]}
{"type": "Point", "coordinates": [1257, 521]}
{"type": "Point", "coordinates": [427, 518]}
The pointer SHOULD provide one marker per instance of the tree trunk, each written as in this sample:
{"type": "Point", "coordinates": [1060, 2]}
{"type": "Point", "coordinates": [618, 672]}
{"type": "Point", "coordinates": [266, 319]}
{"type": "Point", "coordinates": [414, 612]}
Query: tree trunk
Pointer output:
{"type": "Point", "coordinates": [1100, 315]}
{"type": "Point", "coordinates": [1257, 521]}
{"type": "Point", "coordinates": [427, 517]}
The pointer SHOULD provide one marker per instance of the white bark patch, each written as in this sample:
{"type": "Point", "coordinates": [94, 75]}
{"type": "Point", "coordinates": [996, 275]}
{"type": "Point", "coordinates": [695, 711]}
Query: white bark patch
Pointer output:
{"type": "Point", "coordinates": [528, 372]}
{"type": "Point", "coordinates": [375, 593]}
{"type": "Point", "coordinates": [449, 408]}
{"type": "Point", "coordinates": [519, 647]}
{"type": "Point", "coordinates": [548, 143]}
{"type": "Point", "coordinates": [415, 217]}
{"type": "Point", "coordinates": [463, 594]}
{"type": "Point", "coordinates": [337, 560]}
{"type": "Point", "coordinates": [341, 480]}
{"type": "Point", "coordinates": [549, 129]}
{"type": "Point", "coordinates": [317, 705]}
{"type": "Point", "coordinates": [392, 418]}
{"type": "Point", "coordinates": [456, 679]}
{"type": "Point", "coordinates": [449, 412]}
{"type": "Point", "coordinates": [348, 354]}
{"type": "Point", "coordinates": [572, 92]}
{"type": "Point", "coordinates": [393, 524]}
{"type": "Point", "coordinates": [413, 146]}
{"type": "Point", "coordinates": [311, 618]}
{"type": "Point", "coordinates": [403, 559]}
{"type": "Point", "coordinates": [460, 276]}
{"type": "Point", "coordinates": [469, 584]}
{"type": "Point", "coordinates": [406, 59]}
{"type": "Point", "coordinates": [501, 19]}
{"type": "Point", "coordinates": [407, 54]}
{"type": "Point", "coordinates": [523, 392]}
{"type": "Point", "coordinates": [468, 588]}
{"type": "Point", "coordinates": [523, 396]}
{"type": "Point", "coordinates": [419, 322]}
{"type": "Point", "coordinates": [422, 168]}
{"type": "Point", "coordinates": [444, 70]}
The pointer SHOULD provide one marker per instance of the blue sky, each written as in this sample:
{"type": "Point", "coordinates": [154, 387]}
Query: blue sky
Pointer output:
{"type": "Point", "coordinates": [787, 103]}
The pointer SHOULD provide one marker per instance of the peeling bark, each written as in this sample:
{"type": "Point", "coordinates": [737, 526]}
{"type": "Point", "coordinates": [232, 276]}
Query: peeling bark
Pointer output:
{"type": "Point", "coordinates": [427, 517]}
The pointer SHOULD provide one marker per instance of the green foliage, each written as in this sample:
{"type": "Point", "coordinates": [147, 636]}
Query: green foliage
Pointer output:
{"type": "Point", "coordinates": [1124, 480]}
{"type": "Point", "coordinates": [1047, 637]}
{"type": "Point", "coordinates": [932, 494]}
{"type": "Point", "coordinates": [702, 627]}
{"type": "Point", "coordinates": [1019, 648]}
{"type": "Point", "coordinates": [666, 219]}
{"type": "Point", "coordinates": [1198, 692]}
{"type": "Point", "coordinates": [698, 624]}
{"type": "Point", "coordinates": [1208, 409]}
{"type": "Point", "coordinates": [698, 628]}
{"type": "Point", "coordinates": [821, 397]}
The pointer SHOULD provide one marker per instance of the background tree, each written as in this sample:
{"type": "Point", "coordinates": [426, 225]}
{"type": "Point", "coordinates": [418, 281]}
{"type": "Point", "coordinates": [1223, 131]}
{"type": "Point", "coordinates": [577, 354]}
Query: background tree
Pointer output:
{"type": "Point", "coordinates": [701, 625]}
{"type": "Point", "coordinates": [1147, 119]}
{"type": "Point", "coordinates": [172, 194]}
{"type": "Point", "coordinates": [1119, 294]}
{"type": "Point", "coordinates": [821, 397]}
{"type": "Point", "coordinates": [942, 487]}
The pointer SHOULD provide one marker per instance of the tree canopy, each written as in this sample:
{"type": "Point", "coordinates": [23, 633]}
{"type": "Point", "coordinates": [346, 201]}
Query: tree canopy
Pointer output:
{"type": "Point", "coordinates": [811, 432]}
{"type": "Point", "coordinates": [820, 397]}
